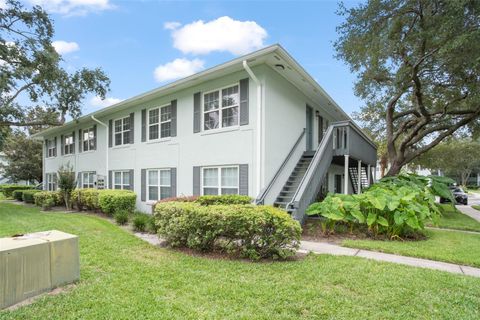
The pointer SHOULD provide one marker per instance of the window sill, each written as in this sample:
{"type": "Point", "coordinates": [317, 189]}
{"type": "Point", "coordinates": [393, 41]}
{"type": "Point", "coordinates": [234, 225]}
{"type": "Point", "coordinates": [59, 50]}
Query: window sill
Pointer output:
{"type": "Point", "coordinates": [221, 130]}
{"type": "Point", "coordinates": [122, 146]}
{"type": "Point", "coordinates": [150, 202]}
{"type": "Point", "coordinates": [162, 140]}
{"type": "Point", "coordinates": [69, 155]}
{"type": "Point", "coordinates": [87, 152]}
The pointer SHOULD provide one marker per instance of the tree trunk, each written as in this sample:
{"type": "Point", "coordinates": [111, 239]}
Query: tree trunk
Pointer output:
{"type": "Point", "coordinates": [395, 168]}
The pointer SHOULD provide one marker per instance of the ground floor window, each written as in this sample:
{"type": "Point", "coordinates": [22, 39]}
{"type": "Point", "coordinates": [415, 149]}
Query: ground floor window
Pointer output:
{"type": "Point", "coordinates": [51, 181]}
{"type": "Point", "coordinates": [88, 180]}
{"type": "Point", "coordinates": [121, 180]}
{"type": "Point", "coordinates": [337, 188]}
{"type": "Point", "coordinates": [220, 180]}
{"type": "Point", "coordinates": [158, 184]}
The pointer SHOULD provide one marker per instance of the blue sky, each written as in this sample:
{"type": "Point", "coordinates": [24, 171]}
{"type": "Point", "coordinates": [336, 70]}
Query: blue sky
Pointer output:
{"type": "Point", "coordinates": [131, 39]}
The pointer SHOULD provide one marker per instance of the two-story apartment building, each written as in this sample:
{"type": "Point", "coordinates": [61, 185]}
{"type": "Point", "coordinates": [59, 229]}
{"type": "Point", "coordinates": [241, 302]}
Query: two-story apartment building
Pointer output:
{"type": "Point", "coordinates": [257, 125]}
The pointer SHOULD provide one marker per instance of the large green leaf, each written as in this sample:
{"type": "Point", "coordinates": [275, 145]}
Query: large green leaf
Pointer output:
{"type": "Point", "coordinates": [333, 215]}
{"type": "Point", "coordinates": [357, 214]}
{"type": "Point", "coordinates": [372, 217]}
{"type": "Point", "coordinates": [412, 221]}
{"type": "Point", "coordinates": [382, 221]}
{"type": "Point", "coordinates": [399, 218]}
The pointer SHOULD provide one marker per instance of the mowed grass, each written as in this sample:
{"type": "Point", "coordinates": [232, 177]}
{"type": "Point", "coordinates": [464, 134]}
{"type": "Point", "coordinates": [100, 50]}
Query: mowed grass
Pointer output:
{"type": "Point", "coordinates": [442, 245]}
{"type": "Point", "coordinates": [123, 277]}
{"type": "Point", "coordinates": [454, 219]}
{"type": "Point", "coordinates": [476, 207]}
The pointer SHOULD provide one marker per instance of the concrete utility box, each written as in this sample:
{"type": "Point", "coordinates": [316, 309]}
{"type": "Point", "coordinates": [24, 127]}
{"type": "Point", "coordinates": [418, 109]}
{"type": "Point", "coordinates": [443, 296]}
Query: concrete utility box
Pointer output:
{"type": "Point", "coordinates": [37, 262]}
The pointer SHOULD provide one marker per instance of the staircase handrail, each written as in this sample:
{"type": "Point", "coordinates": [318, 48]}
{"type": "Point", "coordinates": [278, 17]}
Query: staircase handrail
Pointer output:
{"type": "Point", "coordinates": [261, 198]}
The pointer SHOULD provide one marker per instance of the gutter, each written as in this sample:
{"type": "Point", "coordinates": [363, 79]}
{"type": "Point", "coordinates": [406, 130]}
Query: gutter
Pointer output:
{"type": "Point", "coordinates": [259, 135]}
{"type": "Point", "coordinates": [106, 148]}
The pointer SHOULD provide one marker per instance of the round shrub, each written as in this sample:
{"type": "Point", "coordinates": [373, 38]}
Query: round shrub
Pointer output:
{"type": "Point", "coordinates": [28, 195]}
{"type": "Point", "coordinates": [112, 201]}
{"type": "Point", "coordinates": [55, 196]}
{"type": "Point", "coordinates": [254, 232]}
{"type": "Point", "coordinates": [141, 222]}
{"type": "Point", "coordinates": [18, 195]}
{"type": "Point", "coordinates": [48, 204]}
{"type": "Point", "coordinates": [223, 199]}
{"type": "Point", "coordinates": [85, 199]}
{"type": "Point", "coordinates": [121, 217]}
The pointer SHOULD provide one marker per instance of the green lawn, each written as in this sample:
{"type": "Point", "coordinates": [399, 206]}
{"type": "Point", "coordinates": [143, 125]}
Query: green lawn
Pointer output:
{"type": "Point", "coordinates": [454, 219]}
{"type": "Point", "coordinates": [442, 245]}
{"type": "Point", "coordinates": [477, 207]}
{"type": "Point", "coordinates": [123, 278]}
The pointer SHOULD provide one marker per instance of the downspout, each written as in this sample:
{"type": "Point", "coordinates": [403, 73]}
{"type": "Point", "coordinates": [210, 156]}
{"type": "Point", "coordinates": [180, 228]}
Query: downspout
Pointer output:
{"type": "Point", "coordinates": [259, 146]}
{"type": "Point", "coordinates": [106, 148]}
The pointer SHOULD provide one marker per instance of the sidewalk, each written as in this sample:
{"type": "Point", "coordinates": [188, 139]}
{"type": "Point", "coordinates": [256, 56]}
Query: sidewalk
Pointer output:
{"type": "Point", "coordinates": [326, 248]}
{"type": "Point", "coordinates": [469, 211]}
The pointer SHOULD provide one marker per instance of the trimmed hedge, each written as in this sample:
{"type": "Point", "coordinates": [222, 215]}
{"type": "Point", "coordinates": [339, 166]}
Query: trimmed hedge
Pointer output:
{"type": "Point", "coordinates": [28, 195]}
{"type": "Point", "coordinates": [107, 201]}
{"type": "Point", "coordinates": [7, 189]}
{"type": "Point", "coordinates": [223, 199]}
{"type": "Point", "coordinates": [254, 232]}
{"type": "Point", "coordinates": [53, 198]}
{"type": "Point", "coordinates": [18, 194]}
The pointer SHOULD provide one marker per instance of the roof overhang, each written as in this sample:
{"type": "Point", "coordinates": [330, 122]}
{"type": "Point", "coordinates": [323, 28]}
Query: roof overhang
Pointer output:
{"type": "Point", "coordinates": [272, 56]}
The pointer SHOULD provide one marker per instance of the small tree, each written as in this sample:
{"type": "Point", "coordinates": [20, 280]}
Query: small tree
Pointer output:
{"type": "Point", "coordinates": [66, 182]}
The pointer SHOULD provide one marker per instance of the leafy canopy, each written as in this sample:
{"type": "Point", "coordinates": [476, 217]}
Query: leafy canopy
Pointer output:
{"type": "Point", "coordinates": [31, 75]}
{"type": "Point", "coordinates": [418, 69]}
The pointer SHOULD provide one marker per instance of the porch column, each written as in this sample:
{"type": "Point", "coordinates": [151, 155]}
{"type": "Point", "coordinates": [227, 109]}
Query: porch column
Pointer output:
{"type": "Point", "coordinates": [345, 179]}
{"type": "Point", "coordinates": [369, 175]}
{"type": "Point", "coordinates": [359, 189]}
{"type": "Point", "coordinates": [375, 174]}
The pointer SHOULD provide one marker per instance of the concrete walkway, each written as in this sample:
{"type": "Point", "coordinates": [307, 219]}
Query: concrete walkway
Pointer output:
{"type": "Point", "coordinates": [327, 248]}
{"type": "Point", "coordinates": [469, 211]}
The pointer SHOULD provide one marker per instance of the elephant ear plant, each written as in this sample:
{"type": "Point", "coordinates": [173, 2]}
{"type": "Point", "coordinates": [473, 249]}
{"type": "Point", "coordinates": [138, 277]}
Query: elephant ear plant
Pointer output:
{"type": "Point", "coordinates": [395, 207]}
{"type": "Point", "coordinates": [66, 183]}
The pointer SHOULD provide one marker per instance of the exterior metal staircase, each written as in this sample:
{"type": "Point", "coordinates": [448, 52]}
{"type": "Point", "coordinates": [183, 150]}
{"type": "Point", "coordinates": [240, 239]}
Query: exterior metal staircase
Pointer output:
{"type": "Point", "coordinates": [291, 185]}
{"type": "Point", "coordinates": [353, 174]}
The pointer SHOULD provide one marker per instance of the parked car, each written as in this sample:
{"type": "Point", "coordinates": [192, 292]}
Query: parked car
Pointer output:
{"type": "Point", "coordinates": [459, 195]}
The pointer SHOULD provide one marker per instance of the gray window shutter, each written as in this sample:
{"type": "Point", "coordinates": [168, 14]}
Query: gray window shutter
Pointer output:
{"type": "Point", "coordinates": [132, 128]}
{"type": "Point", "coordinates": [79, 180]}
{"type": "Point", "coordinates": [173, 182]}
{"type": "Point", "coordinates": [244, 102]}
{"type": "Point", "coordinates": [55, 147]}
{"type": "Point", "coordinates": [73, 138]}
{"type": "Point", "coordinates": [144, 125]}
{"type": "Point", "coordinates": [143, 186]}
{"type": "Point", "coordinates": [173, 123]}
{"type": "Point", "coordinates": [95, 137]}
{"type": "Point", "coordinates": [110, 133]}
{"type": "Point", "coordinates": [197, 117]}
{"type": "Point", "coordinates": [45, 143]}
{"type": "Point", "coordinates": [110, 186]}
{"type": "Point", "coordinates": [243, 179]}
{"type": "Point", "coordinates": [132, 184]}
{"type": "Point", "coordinates": [80, 145]}
{"type": "Point", "coordinates": [196, 181]}
{"type": "Point", "coordinates": [62, 145]}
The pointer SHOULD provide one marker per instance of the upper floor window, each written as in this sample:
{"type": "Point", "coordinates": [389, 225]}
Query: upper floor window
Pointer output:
{"type": "Point", "coordinates": [88, 180]}
{"type": "Point", "coordinates": [88, 139]}
{"type": "Point", "coordinates": [68, 144]}
{"type": "Point", "coordinates": [51, 182]}
{"type": "Point", "coordinates": [158, 184]}
{"type": "Point", "coordinates": [220, 180]}
{"type": "Point", "coordinates": [121, 180]}
{"type": "Point", "coordinates": [159, 122]}
{"type": "Point", "coordinates": [220, 108]}
{"type": "Point", "coordinates": [122, 131]}
{"type": "Point", "coordinates": [52, 148]}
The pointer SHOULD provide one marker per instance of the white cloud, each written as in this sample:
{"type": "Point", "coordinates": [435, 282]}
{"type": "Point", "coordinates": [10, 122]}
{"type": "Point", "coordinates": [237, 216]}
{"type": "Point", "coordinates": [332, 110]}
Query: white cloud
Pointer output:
{"type": "Point", "coordinates": [108, 101]}
{"type": "Point", "coordinates": [171, 25]}
{"type": "Point", "coordinates": [64, 47]}
{"type": "Point", "coordinates": [178, 68]}
{"type": "Point", "coordinates": [73, 7]}
{"type": "Point", "coordinates": [3, 4]}
{"type": "Point", "coordinates": [222, 34]}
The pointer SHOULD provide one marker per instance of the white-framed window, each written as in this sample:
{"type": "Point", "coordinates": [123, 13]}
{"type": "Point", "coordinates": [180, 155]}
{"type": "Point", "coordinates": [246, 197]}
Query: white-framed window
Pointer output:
{"type": "Point", "coordinates": [221, 108]}
{"type": "Point", "coordinates": [51, 148]}
{"type": "Point", "coordinates": [122, 131]}
{"type": "Point", "coordinates": [88, 180]}
{"type": "Point", "coordinates": [121, 180]}
{"type": "Point", "coordinates": [51, 181]}
{"type": "Point", "coordinates": [88, 139]}
{"type": "Point", "coordinates": [159, 122]}
{"type": "Point", "coordinates": [158, 184]}
{"type": "Point", "coordinates": [220, 180]}
{"type": "Point", "coordinates": [68, 144]}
